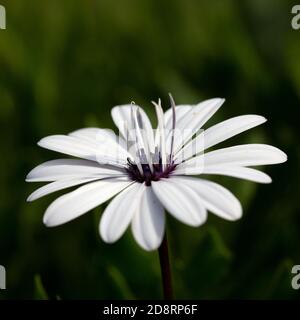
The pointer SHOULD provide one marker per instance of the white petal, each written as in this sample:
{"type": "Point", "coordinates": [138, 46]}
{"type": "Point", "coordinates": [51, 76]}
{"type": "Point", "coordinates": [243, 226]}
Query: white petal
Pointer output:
{"type": "Point", "coordinates": [142, 151]}
{"type": "Point", "coordinates": [148, 224]}
{"type": "Point", "coordinates": [237, 172]}
{"type": "Point", "coordinates": [119, 212]}
{"type": "Point", "coordinates": [123, 120]}
{"type": "Point", "coordinates": [214, 197]}
{"type": "Point", "coordinates": [102, 136]}
{"type": "Point", "coordinates": [94, 134]}
{"type": "Point", "coordinates": [180, 201]}
{"type": "Point", "coordinates": [106, 153]}
{"type": "Point", "coordinates": [219, 133]}
{"type": "Point", "coordinates": [70, 168]}
{"type": "Point", "coordinates": [242, 155]}
{"type": "Point", "coordinates": [193, 121]}
{"type": "Point", "coordinates": [181, 110]}
{"type": "Point", "coordinates": [56, 186]}
{"type": "Point", "coordinates": [82, 200]}
{"type": "Point", "coordinates": [161, 132]}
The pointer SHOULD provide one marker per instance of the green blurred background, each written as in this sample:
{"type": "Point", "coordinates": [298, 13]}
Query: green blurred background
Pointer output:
{"type": "Point", "coordinates": [64, 64]}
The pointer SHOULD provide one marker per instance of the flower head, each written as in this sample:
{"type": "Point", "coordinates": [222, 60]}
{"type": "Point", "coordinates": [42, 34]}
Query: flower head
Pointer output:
{"type": "Point", "coordinates": [148, 171]}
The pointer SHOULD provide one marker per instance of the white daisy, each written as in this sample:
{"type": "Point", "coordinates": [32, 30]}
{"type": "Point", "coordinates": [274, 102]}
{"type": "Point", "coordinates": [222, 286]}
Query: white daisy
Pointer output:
{"type": "Point", "coordinates": [148, 172]}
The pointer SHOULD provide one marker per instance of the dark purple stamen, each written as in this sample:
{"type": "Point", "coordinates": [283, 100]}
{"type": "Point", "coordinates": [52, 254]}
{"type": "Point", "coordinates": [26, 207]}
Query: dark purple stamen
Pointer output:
{"type": "Point", "coordinates": [148, 176]}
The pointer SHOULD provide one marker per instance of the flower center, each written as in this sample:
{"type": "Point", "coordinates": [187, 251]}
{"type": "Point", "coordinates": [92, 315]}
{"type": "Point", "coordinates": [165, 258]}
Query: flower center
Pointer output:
{"type": "Point", "coordinates": [147, 175]}
{"type": "Point", "coordinates": [151, 166]}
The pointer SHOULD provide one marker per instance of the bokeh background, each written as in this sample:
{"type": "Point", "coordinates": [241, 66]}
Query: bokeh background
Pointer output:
{"type": "Point", "coordinates": [64, 64]}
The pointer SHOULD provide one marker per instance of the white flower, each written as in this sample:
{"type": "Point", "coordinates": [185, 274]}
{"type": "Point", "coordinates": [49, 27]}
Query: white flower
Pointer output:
{"type": "Point", "coordinates": [148, 172]}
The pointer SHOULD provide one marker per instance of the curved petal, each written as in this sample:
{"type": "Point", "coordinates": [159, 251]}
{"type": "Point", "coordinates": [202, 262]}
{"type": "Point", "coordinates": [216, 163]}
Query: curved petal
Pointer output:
{"type": "Point", "coordinates": [94, 134]}
{"type": "Point", "coordinates": [104, 136]}
{"type": "Point", "coordinates": [70, 168]}
{"type": "Point", "coordinates": [214, 197]}
{"type": "Point", "coordinates": [241, 155]}
{"type": "Point", "coordinates": [148, 224]}
{"type": "Point", "coordinates": [105, 153]}
{"type": "Point", "coordinates": [119, 212]}
{"type": "Point", "coordinates": [193, 120]}
{"type": "Point", "coordinates": [180, 201]}
{"type": "Point", "coordinates": [161, 133]}
{"type": "Point", "coordinates": [56, 186]}
{"type": "Point", "coordinates": [219, 133]}
{"type": "Point", "coordinates": [82, 200]}
{"type": "Point", "coordinates": [181, 110]}
{"type": "Point", "coordinates": [237, 172]}
{"type": "Point", "coordinates": [123, 120]}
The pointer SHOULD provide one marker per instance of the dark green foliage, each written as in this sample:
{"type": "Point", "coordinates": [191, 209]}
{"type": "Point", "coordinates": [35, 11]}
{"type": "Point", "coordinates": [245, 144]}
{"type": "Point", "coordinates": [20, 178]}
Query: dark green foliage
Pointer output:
{"type": "Point", "coordinates": [64, 64]}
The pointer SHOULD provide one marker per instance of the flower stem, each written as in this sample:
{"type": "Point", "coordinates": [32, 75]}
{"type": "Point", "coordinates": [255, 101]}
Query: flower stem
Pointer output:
{"type": "Point", "coordinates": [165, 269]}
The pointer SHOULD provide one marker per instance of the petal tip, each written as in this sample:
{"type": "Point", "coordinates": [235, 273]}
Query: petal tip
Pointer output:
{"type": "Point", "coordinates": [29, 199]}
{"type": "Point", "coordinates": [238, 212]}
{"type": "Point", "coordinates": [105, 236]}
{"type": "Point", "coordinates": [238, 215]}
{"type": "Point", "coordinates": [281, 156]}
{"type": "Point", "coordinates": [149, 248]}
{"type": "Point", "coordinates": [284, 156]}
{"type": "Point", "coordinates": [221, 100]}
{"type": "Point", "coordinates": [40, 143]}
{"type": "Point", "coordinates": [49, 223]}
{"type": "Point", "coordinates": [266, 179]}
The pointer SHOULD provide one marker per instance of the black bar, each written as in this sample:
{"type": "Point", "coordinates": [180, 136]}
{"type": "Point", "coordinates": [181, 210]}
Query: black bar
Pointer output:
{"type": "Point", "coordinates": [150, 309]}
